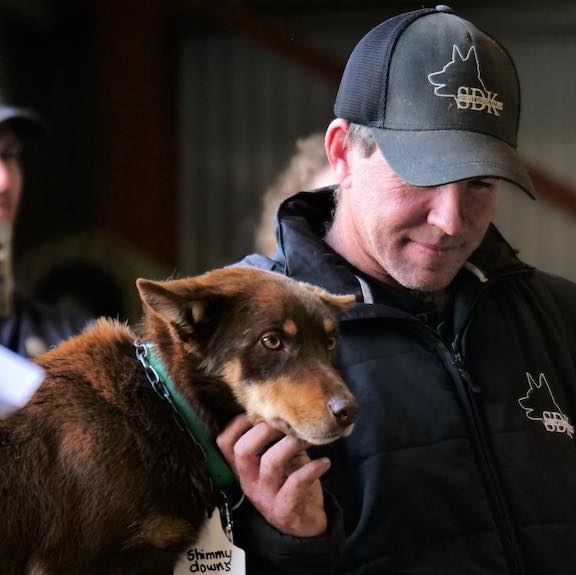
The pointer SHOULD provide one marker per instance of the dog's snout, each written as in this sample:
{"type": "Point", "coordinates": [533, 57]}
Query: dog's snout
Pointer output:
{"type": "Point", "coordinates": [344, 410]}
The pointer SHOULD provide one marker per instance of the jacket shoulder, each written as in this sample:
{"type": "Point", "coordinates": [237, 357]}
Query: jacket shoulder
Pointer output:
{"type": "Point", "coordinates": [260, 261]}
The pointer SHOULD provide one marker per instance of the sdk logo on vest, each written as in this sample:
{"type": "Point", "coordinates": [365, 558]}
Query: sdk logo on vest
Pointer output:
{"type": "Point", "coordinates": [540, 405]}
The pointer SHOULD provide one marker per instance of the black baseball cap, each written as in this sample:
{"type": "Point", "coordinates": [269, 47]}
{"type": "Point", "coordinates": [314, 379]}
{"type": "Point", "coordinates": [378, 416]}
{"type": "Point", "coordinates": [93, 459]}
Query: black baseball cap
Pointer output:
{"type": "Point", "coordinates": [441, 97]}
{"type": "Point", "coordinates": [26, 122]}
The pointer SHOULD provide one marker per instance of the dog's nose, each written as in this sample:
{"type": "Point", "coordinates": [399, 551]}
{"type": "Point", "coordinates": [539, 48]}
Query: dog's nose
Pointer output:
{"type": "Point", "coordinates": [344, 410]}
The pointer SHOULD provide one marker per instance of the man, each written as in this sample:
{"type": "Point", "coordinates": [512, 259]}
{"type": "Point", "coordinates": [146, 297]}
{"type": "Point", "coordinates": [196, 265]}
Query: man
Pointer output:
{"type": "Point", "coordinates": [26, 327]}
{"type": "Point", "coordinates": [462, 357]}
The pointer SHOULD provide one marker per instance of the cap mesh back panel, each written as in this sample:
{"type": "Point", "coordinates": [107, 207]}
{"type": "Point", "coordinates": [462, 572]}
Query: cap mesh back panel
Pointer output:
{"type": "Point", "coordinates": [363, 90]}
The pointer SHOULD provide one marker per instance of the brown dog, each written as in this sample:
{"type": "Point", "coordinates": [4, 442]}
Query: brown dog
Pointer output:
{"type": "Point", "coordinates": [96, 474]}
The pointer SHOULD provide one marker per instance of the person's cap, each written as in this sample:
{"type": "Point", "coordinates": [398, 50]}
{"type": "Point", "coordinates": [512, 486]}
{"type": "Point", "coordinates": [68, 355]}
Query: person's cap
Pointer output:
{"type": "Point", "coordinates": [27, 123]}
{"type": "Point", "coordinates": [441, 97]}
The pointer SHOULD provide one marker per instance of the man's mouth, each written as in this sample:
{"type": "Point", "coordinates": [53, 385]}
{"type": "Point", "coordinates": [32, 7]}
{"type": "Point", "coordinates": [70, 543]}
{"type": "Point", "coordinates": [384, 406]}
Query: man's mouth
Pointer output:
{"type": "Point", "coordinates": [437, 248]}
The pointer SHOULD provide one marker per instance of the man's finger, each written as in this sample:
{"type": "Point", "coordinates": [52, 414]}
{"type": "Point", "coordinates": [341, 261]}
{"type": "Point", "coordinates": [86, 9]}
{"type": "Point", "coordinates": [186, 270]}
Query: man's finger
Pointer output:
{"type": "Point", "coordinates": [280, 460]}
{"type": "Point", "coordinates": [249, 447]}
{"type": "Point", "coordinates": [299, 506]}
{"type": "Point", "coordinates": [228, 438]}
{"type": "Point", "coordinates": [305, 476]}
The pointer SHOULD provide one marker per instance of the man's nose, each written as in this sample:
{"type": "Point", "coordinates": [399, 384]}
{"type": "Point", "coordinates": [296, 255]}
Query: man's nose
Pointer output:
{"type": "Point", "coordinates": [446, 210]}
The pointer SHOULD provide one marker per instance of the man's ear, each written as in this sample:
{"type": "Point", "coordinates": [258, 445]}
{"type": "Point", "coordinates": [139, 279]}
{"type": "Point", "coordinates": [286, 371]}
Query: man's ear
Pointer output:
{"type": "Point", "coordinates": [336, 149]}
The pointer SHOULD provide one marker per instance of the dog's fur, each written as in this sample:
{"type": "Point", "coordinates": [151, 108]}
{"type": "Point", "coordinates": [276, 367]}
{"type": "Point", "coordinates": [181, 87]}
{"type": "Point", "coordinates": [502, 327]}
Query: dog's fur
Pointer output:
{"type": "Point", "coordinates": [96, 477]}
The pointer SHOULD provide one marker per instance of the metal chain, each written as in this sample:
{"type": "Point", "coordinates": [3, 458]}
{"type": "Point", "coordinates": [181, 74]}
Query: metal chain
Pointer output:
{"type": "Point", "coordinates": [228, 519]}
{"type": "Point", "coordinates": [151, 374]}
{"type": "Point", "coordinates": [162, 391]}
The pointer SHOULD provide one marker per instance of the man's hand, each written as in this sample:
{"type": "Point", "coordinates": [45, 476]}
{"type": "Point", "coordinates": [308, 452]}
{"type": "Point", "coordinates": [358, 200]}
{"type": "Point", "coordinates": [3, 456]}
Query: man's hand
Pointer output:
{"type": "Point", "coordinates": [279, 478]}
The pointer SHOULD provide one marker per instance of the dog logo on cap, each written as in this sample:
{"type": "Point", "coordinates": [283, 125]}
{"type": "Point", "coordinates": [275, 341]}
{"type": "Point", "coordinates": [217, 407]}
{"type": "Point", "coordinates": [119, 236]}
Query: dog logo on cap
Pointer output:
{"type": "Point", "coordinates": [460, 79]}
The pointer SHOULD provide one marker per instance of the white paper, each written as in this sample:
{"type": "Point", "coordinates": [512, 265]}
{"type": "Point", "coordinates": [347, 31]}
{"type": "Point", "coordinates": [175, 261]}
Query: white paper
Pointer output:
{"type": "Point", "coordinates": [212, 553]}
{"type": "Point", "coordinates": [19, 379]}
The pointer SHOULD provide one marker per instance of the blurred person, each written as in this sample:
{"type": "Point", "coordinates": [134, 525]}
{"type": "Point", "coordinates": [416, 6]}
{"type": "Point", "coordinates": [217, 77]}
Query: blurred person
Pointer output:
{"type": "Point", "coordinates": [27, 327]}
{"type": "Point", "coordinates": [307, 169]}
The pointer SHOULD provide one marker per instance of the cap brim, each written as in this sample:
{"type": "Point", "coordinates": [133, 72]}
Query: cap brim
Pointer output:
{"type": "Point", "coordinates": [26, 122]}
{"type": "Point", "coordinates": [435, 157]}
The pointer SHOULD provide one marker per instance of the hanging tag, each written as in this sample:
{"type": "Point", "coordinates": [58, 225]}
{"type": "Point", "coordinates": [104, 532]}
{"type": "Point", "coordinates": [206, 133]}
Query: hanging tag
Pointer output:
{"type": "Point", "coordinates": [212, 553]}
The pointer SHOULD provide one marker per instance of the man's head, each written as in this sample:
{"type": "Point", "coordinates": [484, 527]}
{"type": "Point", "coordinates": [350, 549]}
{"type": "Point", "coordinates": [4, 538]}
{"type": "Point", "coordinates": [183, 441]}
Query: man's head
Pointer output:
{"type": "Point", "coordinates": [17, 125]}
{"type": "Point", "coordinates": [421, 141]}
{"type": "Point", "coordinates": [441, 98]}
{"type": "Point", "coordinates": [416, 236]}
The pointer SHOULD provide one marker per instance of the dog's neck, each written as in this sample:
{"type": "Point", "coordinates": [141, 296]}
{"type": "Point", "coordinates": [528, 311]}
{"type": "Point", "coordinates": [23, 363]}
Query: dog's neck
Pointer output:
{"type": "Point", "coordinates": [162, 383]}
{"type": "Point", "coordinates": [157, 374]}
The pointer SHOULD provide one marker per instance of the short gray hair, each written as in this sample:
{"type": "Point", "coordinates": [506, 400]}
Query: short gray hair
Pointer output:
{"type": "Point", "coordinates": [362, 137]}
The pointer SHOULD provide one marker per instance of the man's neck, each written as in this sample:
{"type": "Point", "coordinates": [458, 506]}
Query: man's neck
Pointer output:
{"type": "Point", "coordinates": [439, 298]}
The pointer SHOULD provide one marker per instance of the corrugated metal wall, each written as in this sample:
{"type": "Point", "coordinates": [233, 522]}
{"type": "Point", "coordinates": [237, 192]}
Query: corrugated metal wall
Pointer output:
{"type": "Point", "coordinates": [243, 107]}
{"type": "Point", "coordinates": [546, 58]}
{"type": "Point", "coordinates": [242, 110]}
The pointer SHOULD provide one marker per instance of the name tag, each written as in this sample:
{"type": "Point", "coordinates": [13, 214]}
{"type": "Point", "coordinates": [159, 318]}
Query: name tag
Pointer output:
{"type": "Point", "coordinates": [212, 553]}
{"type": "Point", "coordinates": [19, 379]}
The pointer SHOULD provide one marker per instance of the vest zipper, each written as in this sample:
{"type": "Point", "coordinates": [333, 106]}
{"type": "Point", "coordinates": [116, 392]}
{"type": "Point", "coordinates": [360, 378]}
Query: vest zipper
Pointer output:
{"type": "Point", "coordinates": [503, 520]}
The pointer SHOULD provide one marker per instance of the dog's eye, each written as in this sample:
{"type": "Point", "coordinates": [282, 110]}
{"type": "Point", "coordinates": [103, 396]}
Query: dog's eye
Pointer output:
{"type": "Point", "coordinates": [271, 341]}
{"type": "Point", "coordinates": [331, 345]}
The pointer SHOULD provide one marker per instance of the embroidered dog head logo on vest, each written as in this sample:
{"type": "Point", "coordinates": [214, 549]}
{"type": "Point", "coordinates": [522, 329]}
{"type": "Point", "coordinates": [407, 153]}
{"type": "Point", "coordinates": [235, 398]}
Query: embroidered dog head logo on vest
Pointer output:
{"type": "Point", "coordinates": [540, 405]}
{"type": "Point", "coordinates": [461, 79]}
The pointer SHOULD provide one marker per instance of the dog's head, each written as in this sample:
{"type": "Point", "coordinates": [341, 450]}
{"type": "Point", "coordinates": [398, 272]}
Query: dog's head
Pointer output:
{"type": "Point", "coordinates": [269, 338]}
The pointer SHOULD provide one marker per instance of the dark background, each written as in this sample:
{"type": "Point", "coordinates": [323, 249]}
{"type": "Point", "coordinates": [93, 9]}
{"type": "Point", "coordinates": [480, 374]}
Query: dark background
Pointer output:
{"type": "Point", "coordinates": [103, 200]}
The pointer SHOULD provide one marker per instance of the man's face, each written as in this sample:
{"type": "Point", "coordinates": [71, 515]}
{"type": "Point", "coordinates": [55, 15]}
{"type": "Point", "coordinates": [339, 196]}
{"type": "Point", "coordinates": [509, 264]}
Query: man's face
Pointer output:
{"type": "Point", "coordinates": [419, 236]}
{"type": "Point", "coordinates": [10, 174]}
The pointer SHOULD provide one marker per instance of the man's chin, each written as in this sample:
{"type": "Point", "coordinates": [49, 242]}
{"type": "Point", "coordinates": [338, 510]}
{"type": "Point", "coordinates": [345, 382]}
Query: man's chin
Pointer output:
{"type": "Point", "coordinates": [427, 282]}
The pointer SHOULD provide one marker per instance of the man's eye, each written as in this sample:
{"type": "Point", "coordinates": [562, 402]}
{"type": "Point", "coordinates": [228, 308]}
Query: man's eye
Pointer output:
{"type": "Point", "coordinates": [271, 341]}
{"type": "Point", "coordinates": [482, 184]}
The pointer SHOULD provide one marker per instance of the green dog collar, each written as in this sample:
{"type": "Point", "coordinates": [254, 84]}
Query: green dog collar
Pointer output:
{"type": "Point", "coordinates": [220, 472]}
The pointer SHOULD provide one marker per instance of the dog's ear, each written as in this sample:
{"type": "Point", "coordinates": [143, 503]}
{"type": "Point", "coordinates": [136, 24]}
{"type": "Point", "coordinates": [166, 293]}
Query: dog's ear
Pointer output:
{"type": "Point", "coordinates": [183, 305]}
{"type": "Point", "coordinates": [336, 303]}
